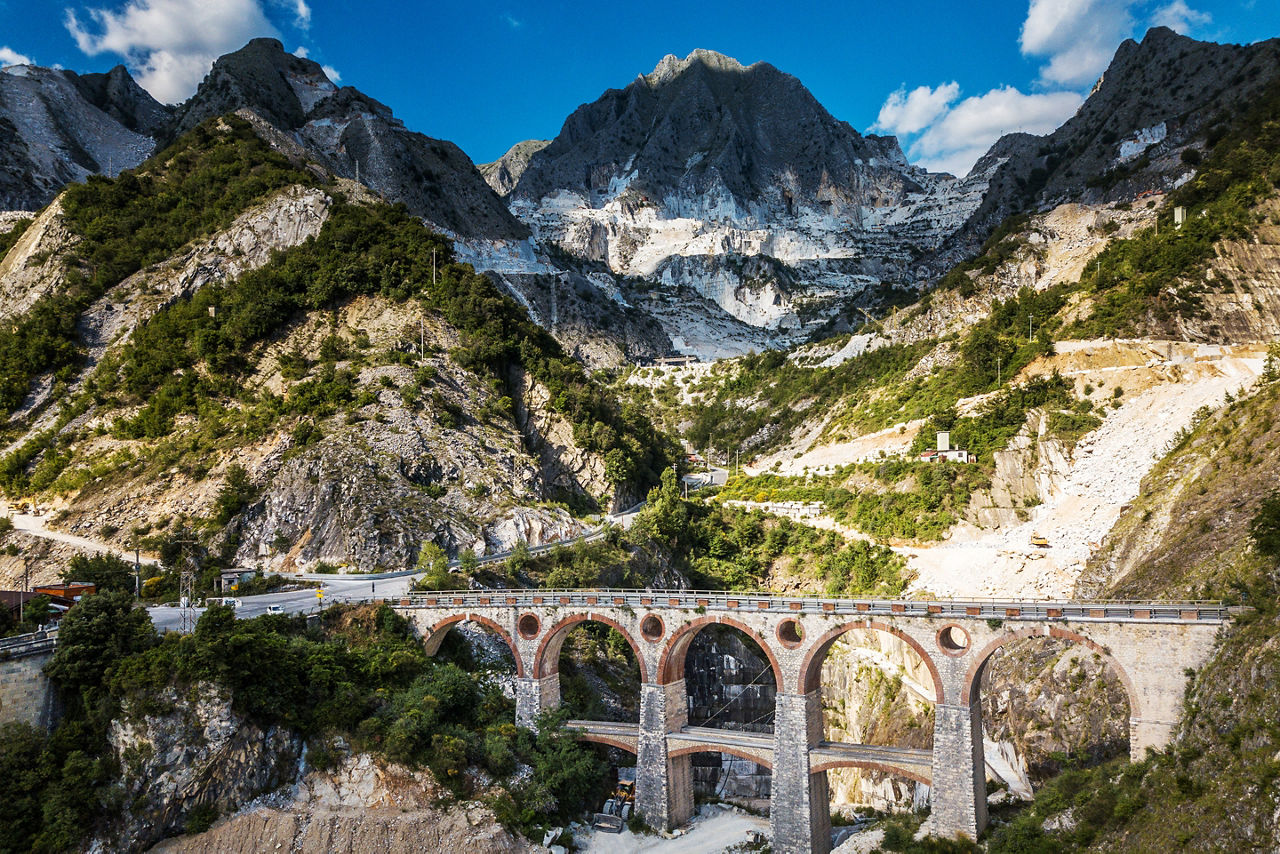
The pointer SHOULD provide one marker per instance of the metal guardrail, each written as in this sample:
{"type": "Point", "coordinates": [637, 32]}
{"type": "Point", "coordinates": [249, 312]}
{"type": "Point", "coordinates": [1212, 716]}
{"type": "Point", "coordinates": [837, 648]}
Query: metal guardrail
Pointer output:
{"type": "Point", "coordinates": [719, 600]}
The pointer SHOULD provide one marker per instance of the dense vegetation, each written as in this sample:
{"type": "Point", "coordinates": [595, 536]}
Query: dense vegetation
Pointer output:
{"type": "Point", "coordinates": [712, 546]}
{"type": "Point", "coordinates": [359, 674]}
{"type": "Point", "coordinates": [193, 188]}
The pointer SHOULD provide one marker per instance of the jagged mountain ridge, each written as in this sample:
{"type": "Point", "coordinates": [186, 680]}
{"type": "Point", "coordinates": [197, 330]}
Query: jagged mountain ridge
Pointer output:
{"type": "Point", "coordinates": [59, 127]}
{"type": "Point", "coordinates": [347, 131]}
{"type": "Point", "coordinates": [749, 213]}
{"type": "Point", "coordinates": [707, 126]}
{"type": "Point", "coordinates": [1156, 98]}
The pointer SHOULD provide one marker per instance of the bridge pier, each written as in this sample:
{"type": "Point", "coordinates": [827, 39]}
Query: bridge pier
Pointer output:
{"type": "Point", "coordinates": [959, 780]}
{"type": "Point", "coordinates": [664, 784]}
{"type": "Point", "coordinates": [534, 696]}
{"type": "Point", "coordinates": [799, 809]}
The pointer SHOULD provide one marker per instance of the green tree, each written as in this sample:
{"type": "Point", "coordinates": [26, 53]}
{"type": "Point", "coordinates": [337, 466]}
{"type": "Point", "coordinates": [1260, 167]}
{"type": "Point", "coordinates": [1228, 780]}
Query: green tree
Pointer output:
{"type": "Point", "coordinates": [95, 636]}
{"type": "Point", "coordinates": [105, 571]}
{"type": "Point", "coordinates": [236, 493]}
{"type": "Point", "coordinates": [434, 564]}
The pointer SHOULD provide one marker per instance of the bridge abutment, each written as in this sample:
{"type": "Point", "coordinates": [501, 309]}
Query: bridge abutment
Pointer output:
{"type": "Point", "coordinates": [664, 784]}
{"type": "Point", "coordinates": [799, 811]}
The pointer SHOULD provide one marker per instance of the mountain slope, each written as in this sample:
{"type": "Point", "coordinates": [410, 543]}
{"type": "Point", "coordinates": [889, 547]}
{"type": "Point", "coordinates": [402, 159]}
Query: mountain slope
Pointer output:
{"type": "Point", "coordinates": [309, 371]}
{"type": "Point", "coordinates": [346, 130]}
{"type": "Point", "coordinates": [1156, 98]}
{"type": "Point", "coordinates": [57, 128]}
{"type": "Point", "coordinates": [726, 202]}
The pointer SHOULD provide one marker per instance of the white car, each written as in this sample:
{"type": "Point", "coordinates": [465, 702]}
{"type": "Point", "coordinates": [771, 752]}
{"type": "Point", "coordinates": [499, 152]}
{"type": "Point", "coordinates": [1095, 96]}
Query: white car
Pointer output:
{"type": "Point", "coordinates": [275, 609]}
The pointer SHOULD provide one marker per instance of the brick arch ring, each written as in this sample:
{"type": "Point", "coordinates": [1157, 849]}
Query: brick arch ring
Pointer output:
{"type": "Point", "coordinates": [547, 659]}
{"type": "Point", "coordinates": [811, 668]}
{"type": "Point", "coordinates": [435, 636]}
{"type": "Point", "coordinates": [891, 770]}
{"type": "Point", "coordinates": [739, 752]}
{"type": "Point", "coordinates": [671, 664]}
{"type": "Point", "coordinates": [974, 676]}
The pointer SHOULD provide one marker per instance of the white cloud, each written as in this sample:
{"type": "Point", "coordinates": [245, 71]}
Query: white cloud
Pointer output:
{"type": "Point", "coordinates": [1077, 37]}
{"type": "Point", "coordinates": [910, 112]}
{"type": "Point", "coordinates": [12, 57]}
{"type": "Point", "coordinates": [512, 21]}
{"type": "Point", "coordinates": [957, 135]}
{"type": "Point", "coordinates": [171, 44]}
{"type": "Point", "coordinates": [301, 12]}
{"type": "Point", "coordinates": [331, 73]}
{"type": "Point", "coordinates": [1180, 17]}
{"type": "Point", "coordinates": [301, 52]}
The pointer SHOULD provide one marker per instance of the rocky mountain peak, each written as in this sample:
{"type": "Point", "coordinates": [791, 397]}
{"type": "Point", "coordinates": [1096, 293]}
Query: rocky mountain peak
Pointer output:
{"type": "Point", "coordinates": [671, 66]}
{"type": "Point", "coordinates": [262, 76]}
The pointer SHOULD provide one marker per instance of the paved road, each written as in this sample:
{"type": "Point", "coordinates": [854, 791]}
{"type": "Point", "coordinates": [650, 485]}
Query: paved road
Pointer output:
{"type": "Point", "coordinates": [295, 601]}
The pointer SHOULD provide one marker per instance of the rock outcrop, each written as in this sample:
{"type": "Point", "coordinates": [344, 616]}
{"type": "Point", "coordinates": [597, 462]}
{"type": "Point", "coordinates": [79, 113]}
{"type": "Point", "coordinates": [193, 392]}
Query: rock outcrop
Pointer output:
{"type": "Point", "coordinates": [180, 754]}
{"type": "Point", "coordinates": [363, 806]}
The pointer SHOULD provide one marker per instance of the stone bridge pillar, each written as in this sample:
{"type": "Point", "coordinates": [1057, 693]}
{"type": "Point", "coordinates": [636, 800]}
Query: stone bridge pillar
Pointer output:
{"type": "Point", "coordinates": [799, 816]}
{"type": "Point", "coordinates": [664, 784]}
{"type": "Point", "coordinates": [959, 791]}
{"type": "Point", "coordinates": [534, 696]}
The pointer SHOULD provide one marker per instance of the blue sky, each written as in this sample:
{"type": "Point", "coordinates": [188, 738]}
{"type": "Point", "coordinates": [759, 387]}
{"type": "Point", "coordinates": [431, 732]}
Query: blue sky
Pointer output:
{"type": "Point", "coordinates": [947, 78]}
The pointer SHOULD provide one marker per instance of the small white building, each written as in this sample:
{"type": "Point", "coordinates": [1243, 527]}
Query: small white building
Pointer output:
{"type": "Point", "coordinates": [946, 452]}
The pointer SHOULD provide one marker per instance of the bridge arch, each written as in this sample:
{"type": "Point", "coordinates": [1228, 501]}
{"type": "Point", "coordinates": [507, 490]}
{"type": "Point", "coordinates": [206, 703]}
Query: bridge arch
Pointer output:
{"type": "Point", "coordinates": [607, 740]}
{"type": "Point", "coordinates": [811, 667]}
{"type": "Point", "coordinates": [973, 678]}
{"type": "Point", "coordinates": [436, 634]}
{"type": "Point", "coordinates": [671, 664]}
{"type": "Point", "coordinates": [741, 753]}
{"type": "Point", "coordinates": [882, 767]}
{"type": "Point", "coordinates": [547, 659]}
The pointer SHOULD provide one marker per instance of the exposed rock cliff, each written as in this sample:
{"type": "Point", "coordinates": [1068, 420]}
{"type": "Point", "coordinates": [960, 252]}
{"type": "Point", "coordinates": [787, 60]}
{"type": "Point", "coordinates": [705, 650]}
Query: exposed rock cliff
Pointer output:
{"type": "Point", "coordinates": [183, 754]}
{"type": "Point", "coordinates": [713, 182]}
{"type": "Point", "coordinates": [364, 807]}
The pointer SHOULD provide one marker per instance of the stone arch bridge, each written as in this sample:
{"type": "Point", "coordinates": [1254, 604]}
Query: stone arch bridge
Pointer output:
{"type": "Point", "coordinates": [1150, 646]}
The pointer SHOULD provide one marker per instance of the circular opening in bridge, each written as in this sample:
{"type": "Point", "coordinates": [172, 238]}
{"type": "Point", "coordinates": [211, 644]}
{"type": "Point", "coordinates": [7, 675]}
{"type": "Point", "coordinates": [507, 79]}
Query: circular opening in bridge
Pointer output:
{"type": "Point", "coordinates": [529, 626]}
{"type": "Point", "coordinates": [953, 640]}
{"type": "Point", "coordinates": [790, 633]}
{"type": "Point", "coordinates": [652, 628]}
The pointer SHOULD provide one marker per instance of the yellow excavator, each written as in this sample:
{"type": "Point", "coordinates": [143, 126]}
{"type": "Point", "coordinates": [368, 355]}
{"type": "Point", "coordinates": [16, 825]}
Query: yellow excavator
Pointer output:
{"type": "Point", "coordinates": [613, 816]}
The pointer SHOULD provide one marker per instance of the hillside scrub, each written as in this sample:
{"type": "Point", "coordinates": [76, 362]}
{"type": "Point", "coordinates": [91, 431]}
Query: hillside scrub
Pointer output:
{"type": "Point", "coordinates": [1158, 274]}
{"type": "Point", "coordinates": [1206, 524]}
{"type": "Point", "coordinates": [193, 188]}
{"type": "Point", "coordinates": [360, 674]}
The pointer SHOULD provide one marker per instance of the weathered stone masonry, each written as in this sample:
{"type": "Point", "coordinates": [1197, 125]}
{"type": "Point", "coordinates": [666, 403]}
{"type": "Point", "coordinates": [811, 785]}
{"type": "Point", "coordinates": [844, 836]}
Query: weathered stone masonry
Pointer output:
{"type": "Point", "coordinates": [26, 694]}
{"type": "Point", "coordinates": [1149, 645]}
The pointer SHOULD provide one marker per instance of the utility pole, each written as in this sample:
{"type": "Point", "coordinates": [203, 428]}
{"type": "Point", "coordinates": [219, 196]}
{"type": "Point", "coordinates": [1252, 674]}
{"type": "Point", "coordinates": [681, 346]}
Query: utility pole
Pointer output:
{"type": "Point", "coordinates": [137, 574]}
{"type": "Point", "coordinates": [22, 596]}
{"type": "Point", "coordinates": [433, 266]}
{"type": "Point", "coordinates": [998, 374]}
{"type": "Point", "coordinates": [422, 339]}
{"type": "Point", "coordinates": [1030, 317]}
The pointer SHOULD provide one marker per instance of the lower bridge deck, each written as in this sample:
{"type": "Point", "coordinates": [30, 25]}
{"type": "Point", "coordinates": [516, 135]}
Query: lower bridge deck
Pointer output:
{"type": "Point", "coordinates": [915, 763]}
